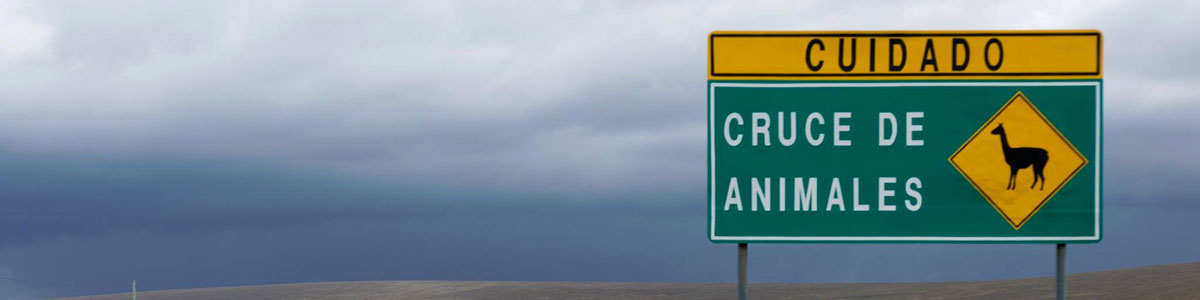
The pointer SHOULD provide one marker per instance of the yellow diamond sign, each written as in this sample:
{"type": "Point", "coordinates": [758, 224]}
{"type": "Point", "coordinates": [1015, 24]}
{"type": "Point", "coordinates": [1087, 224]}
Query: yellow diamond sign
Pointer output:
{"type": "Point", "coordinates": [1018, 160]}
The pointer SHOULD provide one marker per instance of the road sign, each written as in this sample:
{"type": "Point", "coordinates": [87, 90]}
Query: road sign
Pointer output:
{"type": "Point", "coordinates": [1027, 147]}
{"type": "Point", "coordinates": [905, 136]}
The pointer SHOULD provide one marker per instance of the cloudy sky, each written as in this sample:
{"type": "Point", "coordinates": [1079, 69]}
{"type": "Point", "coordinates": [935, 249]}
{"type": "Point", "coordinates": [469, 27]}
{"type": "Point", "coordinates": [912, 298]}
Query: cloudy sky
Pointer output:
{"type": "Point", "coordinates": [216, 143]}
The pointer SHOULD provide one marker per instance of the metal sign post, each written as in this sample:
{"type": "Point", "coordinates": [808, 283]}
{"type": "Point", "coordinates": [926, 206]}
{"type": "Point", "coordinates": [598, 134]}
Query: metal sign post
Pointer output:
{"type": "Point", "coordinates": [742, 249]}
{"type": "Point", "coordinates": [1060, 270]}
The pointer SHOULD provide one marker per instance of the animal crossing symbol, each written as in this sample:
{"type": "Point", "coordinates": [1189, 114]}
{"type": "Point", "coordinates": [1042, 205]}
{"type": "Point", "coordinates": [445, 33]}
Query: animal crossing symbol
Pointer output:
{"type": "Point", "coordinates": [1020, 158]}
{"type": "Point", "coordinates": [1021, 138]}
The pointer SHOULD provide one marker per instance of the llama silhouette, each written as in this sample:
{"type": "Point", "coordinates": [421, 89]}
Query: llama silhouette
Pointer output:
{"type": "Point", "coordinates": [1020, 158]}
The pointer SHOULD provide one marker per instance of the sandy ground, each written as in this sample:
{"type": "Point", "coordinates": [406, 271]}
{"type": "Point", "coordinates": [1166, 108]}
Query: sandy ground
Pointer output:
{"type": "Point", "coordinates": [1178, 281]}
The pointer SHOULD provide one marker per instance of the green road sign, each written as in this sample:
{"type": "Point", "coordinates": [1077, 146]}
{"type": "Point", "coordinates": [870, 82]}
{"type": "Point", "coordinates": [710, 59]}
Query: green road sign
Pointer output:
{"type": "Point", "coordinates": [983, 145]}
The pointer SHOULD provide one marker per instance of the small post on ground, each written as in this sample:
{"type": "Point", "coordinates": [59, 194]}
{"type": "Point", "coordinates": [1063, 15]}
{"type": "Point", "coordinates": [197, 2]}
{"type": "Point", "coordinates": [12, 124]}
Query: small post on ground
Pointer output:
{"type": "Point", "coordinates": [742, 248]}
{"type": "Point", "coordinates": [1060, 271]}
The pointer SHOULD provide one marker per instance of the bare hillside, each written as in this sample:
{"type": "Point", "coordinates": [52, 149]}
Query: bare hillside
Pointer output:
{"type": "Point", "coordinates": [1178, 281]}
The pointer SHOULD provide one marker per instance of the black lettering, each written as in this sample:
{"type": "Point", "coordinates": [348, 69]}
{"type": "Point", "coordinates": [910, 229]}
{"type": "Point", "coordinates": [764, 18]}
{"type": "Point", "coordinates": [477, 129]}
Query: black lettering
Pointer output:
{"type": "Point", "coordinates": [930, 57]}
{"type": "Point", "coordinates": [808, 55]}
{"type": "Point", "coordinates": [853, 54]}
{"type": "Point", "coordinates": [872, 55]}
{"type": "Point", "coordinates": [892, 66]}
{"type": "Point", "coordinates": [987, 49]}
{"type": "Point", "coordinates": [954, 54]}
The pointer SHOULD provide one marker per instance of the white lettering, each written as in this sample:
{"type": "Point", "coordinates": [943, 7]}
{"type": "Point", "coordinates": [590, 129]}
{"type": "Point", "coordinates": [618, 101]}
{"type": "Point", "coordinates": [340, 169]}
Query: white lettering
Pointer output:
{"type": "Point", "coordinates": [884, 119]}
{"type": "Point", "coordinates": [728, 138]}
{"type": "Point", "coordinates": [884, 192]}
{"type": "Point", "coordinates": [782, 194]}
{"type": "Point", "coordinates": [912, 192]}
{"type": "Point", "coordinates": [760, 194]}
{"type": "Point", "coordinates": [838, 129]}
{"type": "Point", "coordinates": [733, 196]}
{"type": "Point", "coordinates": [806, 200]}
{"type": "Point", "coordinates": [757, 128]}
{"type": "Point", "coordinates": [787, 141]}
{"type": "Point", "coordinates": [911, 127]}
{"type": "Point", "coordinates": [835, 196]}
{"type": "Point", "coordinates": [857, 206]}
{"type": "Point", "coordinates": [808, 125]}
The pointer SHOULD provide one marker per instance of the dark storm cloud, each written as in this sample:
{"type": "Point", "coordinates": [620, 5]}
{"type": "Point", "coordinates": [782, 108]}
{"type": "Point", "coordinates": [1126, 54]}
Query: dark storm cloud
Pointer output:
{"type": "Point", "coordinates": [1150, 156]}
{"type": "Point", "coordinates": [573, 92]}
{"type": "Point", "coordinates": [407, 91]}
{"type": "Point", "coordinates": [217, 137]}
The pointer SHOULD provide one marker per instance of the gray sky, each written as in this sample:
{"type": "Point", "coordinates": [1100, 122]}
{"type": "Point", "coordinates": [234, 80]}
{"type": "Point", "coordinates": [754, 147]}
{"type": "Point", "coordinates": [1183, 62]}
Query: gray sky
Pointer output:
{"type": "Point", "coordinates": [206, 143]}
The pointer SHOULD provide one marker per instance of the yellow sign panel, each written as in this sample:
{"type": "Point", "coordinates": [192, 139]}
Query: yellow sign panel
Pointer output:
{"type": "Point", "coordinates": [875, 55]}
{"type": "Point", "coordinates": [1018, 160]}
